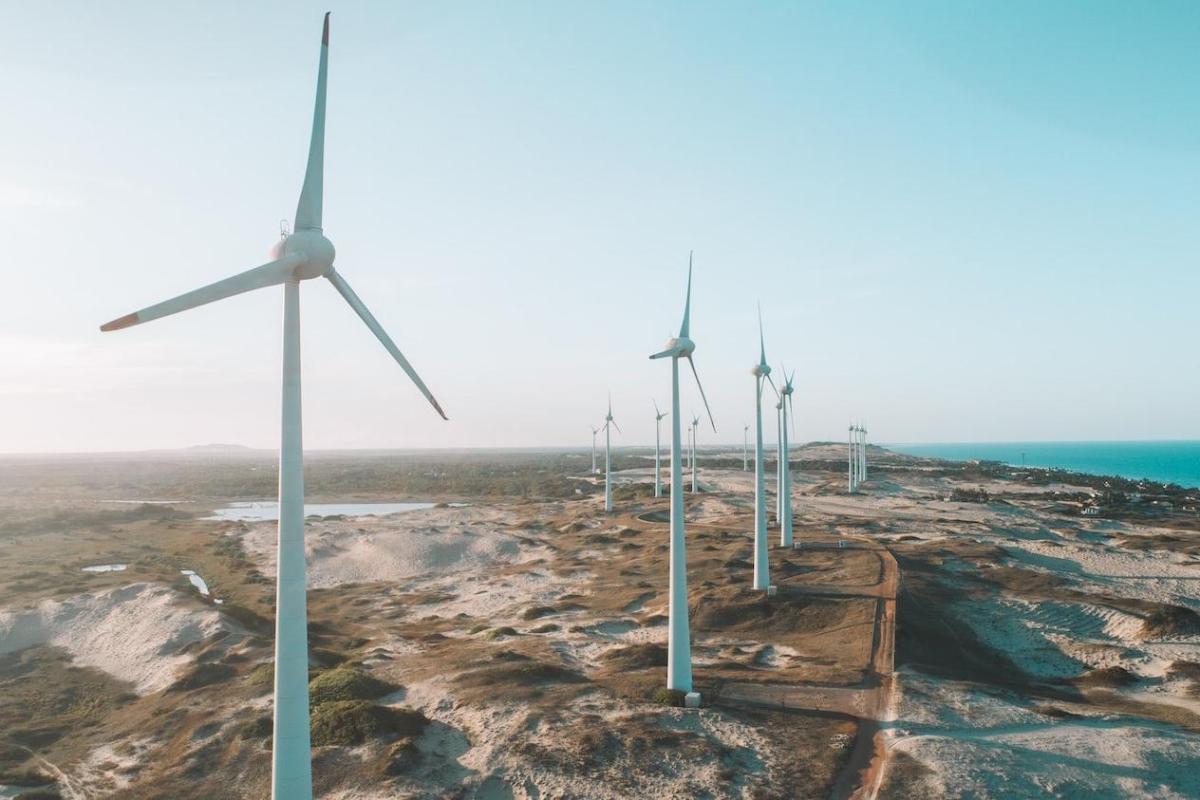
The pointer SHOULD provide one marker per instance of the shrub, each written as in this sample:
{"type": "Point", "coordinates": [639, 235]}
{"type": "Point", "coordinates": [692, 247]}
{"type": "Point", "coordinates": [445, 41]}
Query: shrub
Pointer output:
{"type": "Point", "coordinates": [347, 683]}
{"type": "Point", "coordinates": [668, 697]}
{"type": "Point", "coordinates": [352, 722]}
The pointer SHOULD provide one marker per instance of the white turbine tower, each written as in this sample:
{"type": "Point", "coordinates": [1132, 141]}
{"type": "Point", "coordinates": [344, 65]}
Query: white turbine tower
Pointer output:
{"type": "Point", "coordinates": [762, 374]}
{"type": "Point", "coordinates": [863, 452]}
{"type": "Point", "coordinates": [658, 418]}
{"type": "Point", "coordinates": [851, 462]}
{"type": "Point", "coordinates": [779, 458]}
{"type": "Point", "coordinates": [608, 422]}
{"type": "Point", "coordinates": [695, 435]}
{"type": "Point", "coordinates": [595, 430]}
{"type": "Point", "coordinates": [300, 256]}
{"type": "Point", "coordinates": [746, 449]}
{"type": "Point", "coordinates": [785, 483]}
{"type": "Point", "coordinates": [679, 644]}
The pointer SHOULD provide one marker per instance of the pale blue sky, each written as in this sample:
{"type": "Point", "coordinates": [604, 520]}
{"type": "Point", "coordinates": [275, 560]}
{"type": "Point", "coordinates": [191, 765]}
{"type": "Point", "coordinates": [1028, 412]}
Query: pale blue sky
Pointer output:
{"type": "Point", "coordinates": [1002, 195]}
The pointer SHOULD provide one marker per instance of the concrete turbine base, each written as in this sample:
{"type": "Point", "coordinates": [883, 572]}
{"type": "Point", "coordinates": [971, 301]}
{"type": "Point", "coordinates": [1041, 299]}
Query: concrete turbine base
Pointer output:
{"type": "Point", "coordinates": [691, 700]}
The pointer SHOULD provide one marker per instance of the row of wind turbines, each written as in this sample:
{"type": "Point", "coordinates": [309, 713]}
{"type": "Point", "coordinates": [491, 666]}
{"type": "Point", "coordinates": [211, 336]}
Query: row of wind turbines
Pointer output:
{"type": "Point", "coordinates": [306, 253]}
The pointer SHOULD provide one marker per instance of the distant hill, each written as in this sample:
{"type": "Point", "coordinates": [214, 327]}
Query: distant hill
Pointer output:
{"type": "Point", "coordinates": [218, 447]}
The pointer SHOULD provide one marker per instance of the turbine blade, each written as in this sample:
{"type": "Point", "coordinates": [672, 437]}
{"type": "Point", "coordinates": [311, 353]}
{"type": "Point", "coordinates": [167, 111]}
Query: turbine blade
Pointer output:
{"type": "Point", "coordinates": [348, 294]}
{"type": "Point", "coordinates": [308, 210]}
{"type": "Point", "coordinates": [772, 382]}
{"type": "Point", "coordinates": [657, 413]}
{"type": "Point", "coordinates": [792, 412]}
{"type": "Point", "coordinates": [687, 306]}
{"type": "Point", "coordinates": [270, 274]}
{"type": "Point", "coordinates": [700, 386]}
{"type": "Point", "coordinates": [762, 346]}
{"type": "Point", "coordinates": [615, 425]}
{"type": "Point", "coordinates": [671, 351]}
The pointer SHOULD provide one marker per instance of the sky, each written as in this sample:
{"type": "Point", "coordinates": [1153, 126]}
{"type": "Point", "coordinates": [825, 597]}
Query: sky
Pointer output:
{"type": "Point", "coordinates": [964, 222]}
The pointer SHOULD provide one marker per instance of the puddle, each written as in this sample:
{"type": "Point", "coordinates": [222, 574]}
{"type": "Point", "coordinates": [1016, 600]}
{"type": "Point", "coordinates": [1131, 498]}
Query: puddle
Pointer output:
{"type": "Point", "coordinates": [7, 792]}
{"type": "Point", "coordinates": [263, 511]}
{"type": "Point", "coordinates": [199, 583]}
{"type": "Point", "coordinates": [104, 568]}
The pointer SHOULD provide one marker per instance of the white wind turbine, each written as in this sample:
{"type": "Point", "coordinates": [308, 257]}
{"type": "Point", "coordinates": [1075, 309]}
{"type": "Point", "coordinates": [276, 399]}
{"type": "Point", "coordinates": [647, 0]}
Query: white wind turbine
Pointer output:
{"type": "Point", "coordinates": [852, 461]}
{"type": "Point", "coordinates": [679, 644]}
{"type": "Point", "coordinates": [695, 434]}
{"type": "Point", "coordinates": [595, 430]}
{"type": "Point", "coordinates": [608, 422]}
{"type": "Point", "coordinates": [863, 452]}
{"type": "Point", "coordinates": [762, 374]}
{"type": "Point", "coordinates": [300, 256]}
{"type": "Point", "coordinates": [778, 457]}
{"type": "Point", "coordinates": [785, 471]}
{"type": "Point", "coordinates": [658, 418]}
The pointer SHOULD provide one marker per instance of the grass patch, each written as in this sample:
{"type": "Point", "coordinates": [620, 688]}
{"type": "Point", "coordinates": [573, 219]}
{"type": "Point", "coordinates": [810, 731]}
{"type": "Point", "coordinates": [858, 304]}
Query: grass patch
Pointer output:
{"type": "Point", "coordinates": [347, 683]}
{"type": "Point", "coordinates": [352, 722]}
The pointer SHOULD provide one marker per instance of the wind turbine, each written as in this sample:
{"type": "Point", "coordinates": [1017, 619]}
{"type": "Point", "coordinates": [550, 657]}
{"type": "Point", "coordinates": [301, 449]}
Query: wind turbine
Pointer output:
{"type": "Point", "coordinates": [303, 255]}
{"type": "Point", "coordinates": [762, 374]}
{"type": "Point", "coordinates": [863, 452]}
{"type": "Point", "coordinates": [679, 645]}
{"type": "Point", "coordinates": [779, 458]}
{"type": "Point", "coordinates": [695, 435]}
{"type": "Point", "coordinates": [852, 457]}
{"type": "Point", "coordinates": [785, 473]}
{"type": "Point", "coordinates": [658, 418]}
{"type": "Point", "coordinates": [608, 421]}
{"type": "Point", "coordinates": [746, 449]}
{"type": "Point", "coordinates": [595, 430]}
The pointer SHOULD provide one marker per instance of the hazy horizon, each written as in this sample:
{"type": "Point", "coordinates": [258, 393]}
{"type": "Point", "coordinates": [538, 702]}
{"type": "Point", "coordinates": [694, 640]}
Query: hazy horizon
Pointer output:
{"type": "Point", "coordinates": [1002, 197]}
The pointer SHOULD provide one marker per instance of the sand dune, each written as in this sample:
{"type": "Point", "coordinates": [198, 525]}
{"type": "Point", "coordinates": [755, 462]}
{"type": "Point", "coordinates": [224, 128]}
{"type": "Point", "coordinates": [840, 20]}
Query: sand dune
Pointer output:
{"type": "Point", "coordinates": [133, 633]}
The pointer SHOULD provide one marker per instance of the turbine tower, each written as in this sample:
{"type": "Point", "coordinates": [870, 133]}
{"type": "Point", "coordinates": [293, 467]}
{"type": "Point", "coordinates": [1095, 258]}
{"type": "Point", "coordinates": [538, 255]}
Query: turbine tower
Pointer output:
{"type": "Point", "coordinates": [863, 453]}
{"type": "Point", "coordinates": [762, 374]}
{"type": "Point", "coordinates": [595, 430]}
{"type": "Point", "coordinates": [746, 449]}
{"type": "Point", "coordinates": [679, 645]}
{"type": "Point", "coordinates": [851, 461]}
{"type": "Point", "coordinates": [658, 418]}
{"type": "Point", "coordinates": [695, 434]}
{"type": "Point", "coordinates": [302, 255]}
{"type": "Point", "coordinates": [778, 458]}
{"type": "Point", "coordinates": [785, 484]}
{"type": "Point", "coordinates": [608, 422]}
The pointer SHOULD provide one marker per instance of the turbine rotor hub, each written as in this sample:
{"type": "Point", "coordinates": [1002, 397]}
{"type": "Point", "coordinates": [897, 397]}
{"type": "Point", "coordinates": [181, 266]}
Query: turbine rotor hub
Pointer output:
{"type": "Point", "coordinates": [681, 346]}
{"type": "Point", "coordinates": [310, 245]}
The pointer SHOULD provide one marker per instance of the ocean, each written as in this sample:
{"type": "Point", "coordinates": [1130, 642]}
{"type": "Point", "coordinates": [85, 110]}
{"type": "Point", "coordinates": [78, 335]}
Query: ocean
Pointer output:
{"type": "Point", "coordinates": [1167, 462]}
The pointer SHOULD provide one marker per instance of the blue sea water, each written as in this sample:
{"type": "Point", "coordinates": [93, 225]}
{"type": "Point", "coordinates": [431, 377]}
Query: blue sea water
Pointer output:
{"type": "Point", "coordinates": [1168, 462]}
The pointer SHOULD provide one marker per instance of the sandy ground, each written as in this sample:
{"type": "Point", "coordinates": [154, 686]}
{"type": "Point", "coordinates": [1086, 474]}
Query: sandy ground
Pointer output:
{"type": "Point", "coordinates": [134, 633]}
{"type": "Point", "coordinates": [419, 595]}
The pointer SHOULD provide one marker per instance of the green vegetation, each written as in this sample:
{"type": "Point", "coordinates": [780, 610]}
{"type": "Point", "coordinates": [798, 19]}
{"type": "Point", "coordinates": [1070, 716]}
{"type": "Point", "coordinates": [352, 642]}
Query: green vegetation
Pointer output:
{"type": "Point", "coordinates": [352, 722]}
{"type": "Point", "coordinates": [668, 697]}
{"type": "Point", "coordinates": [346, 683]}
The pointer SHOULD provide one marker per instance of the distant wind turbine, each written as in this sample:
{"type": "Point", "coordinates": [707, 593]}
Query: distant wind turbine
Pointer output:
{"type": "Point", "coordinates": [595, 430]}
{"type": "Point", "coordinates": [608, 421]}
{"type": "Point", "coordinates": [785, 472]}
{"type": "Point", "coordinates": [863, 452]}
{"type": "Point", "coordinates": [746, 449]}
{"type": "Point", "coordinates": [300, 256]}
{"type": "Point", "coordinates": [679, 645]}
{"type": "Point", "coordinates": [850, 460]}
{"type": "Point", "coordinates": [695, 435]}
{"type": "Point", "coordinates": [762, 374]}
{"type": "Point", "coordinates": [658, 418]}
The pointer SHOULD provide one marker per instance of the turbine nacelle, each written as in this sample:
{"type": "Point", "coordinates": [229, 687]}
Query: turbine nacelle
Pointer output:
{"type": "Point", "coordinates": [311, 249]}
{"type": "Point", "coordinates": [760, 370]}
{"type": "Point", "coordinates": [677, 347]}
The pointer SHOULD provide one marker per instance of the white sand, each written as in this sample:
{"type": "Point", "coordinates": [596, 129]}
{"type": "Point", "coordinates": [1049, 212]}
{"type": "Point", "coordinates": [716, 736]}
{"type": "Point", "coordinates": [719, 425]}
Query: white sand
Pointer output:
{"type": "Point", "coordinates": [985, 745]}
{"type": "Point", "coordinates": [133, 633]}
{"type": "Point", "coordinates": [398, 547]}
